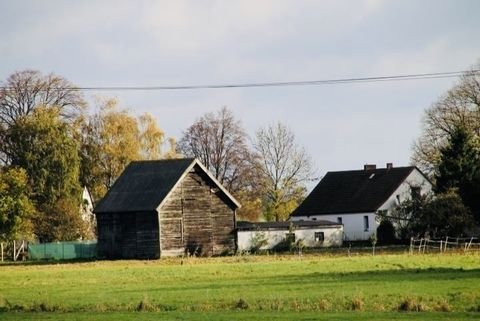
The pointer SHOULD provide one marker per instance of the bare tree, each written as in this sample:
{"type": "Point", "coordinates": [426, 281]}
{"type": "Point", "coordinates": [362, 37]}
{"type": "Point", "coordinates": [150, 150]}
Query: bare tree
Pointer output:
{"type": "Point", "coordinates": [219, 142]}
{"type": "Point", "coordinates": [285, 167]}
{"type": "Point", "coordinates": [460, 107]}
{"type": "Point", "coordinates": [25, 90]}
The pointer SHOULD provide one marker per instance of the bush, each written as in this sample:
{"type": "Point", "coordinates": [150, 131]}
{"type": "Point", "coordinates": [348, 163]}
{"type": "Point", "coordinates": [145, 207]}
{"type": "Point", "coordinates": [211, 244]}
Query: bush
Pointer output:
{"type": "Point", "coordinates": [241, 304]}
{"type": "Point", "coordinates": [411, 305]}
{"type": "Point", "coordinates": [356, 304]}
{"type": "Point", "coordinates": [386, 233]}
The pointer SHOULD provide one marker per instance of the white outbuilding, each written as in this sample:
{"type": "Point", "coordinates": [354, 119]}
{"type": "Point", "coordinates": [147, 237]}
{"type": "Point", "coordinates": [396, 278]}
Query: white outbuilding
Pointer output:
{"type": "Point", "coordinates": [271, 234]}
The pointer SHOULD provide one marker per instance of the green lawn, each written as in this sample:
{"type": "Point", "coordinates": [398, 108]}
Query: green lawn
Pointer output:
{"type": "Point", "coordinates": [443, 287]}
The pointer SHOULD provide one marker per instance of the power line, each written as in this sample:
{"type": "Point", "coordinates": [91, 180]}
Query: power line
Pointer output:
{"type": "Point", "coordinates": [437, 75]}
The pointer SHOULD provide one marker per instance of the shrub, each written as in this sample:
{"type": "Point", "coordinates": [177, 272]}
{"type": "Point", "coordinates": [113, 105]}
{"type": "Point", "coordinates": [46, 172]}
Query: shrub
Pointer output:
{"type": "Point", "coordinates": [356, 304]}
{"type": "Point", "coordinates": [241, 304]}
{"type": "Point", "coordinates": [442, 306]}
{"type": "Point", "coordinates": [411, 305]}
{"type": "Point", "coordinates": [386, 232]}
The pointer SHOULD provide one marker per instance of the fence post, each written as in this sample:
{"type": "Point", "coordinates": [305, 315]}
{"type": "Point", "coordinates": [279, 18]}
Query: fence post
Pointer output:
{"type": "Point", "coordinates": [14, 249]}
{"type": "Point", "coordinates": [446, 244]}
{"type": "Point", "coordinates": [411, 245]}
{"type": "Point", "coordinates": [470, 243]}
{"type": "Point", "coordinates": [1, 249]}
{"type": "Point", "coordinates": [441, 245]}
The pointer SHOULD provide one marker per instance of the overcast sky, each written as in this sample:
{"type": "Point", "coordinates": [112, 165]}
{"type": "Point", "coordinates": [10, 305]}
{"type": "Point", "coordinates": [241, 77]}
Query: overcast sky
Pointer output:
{"type": "Point", "coordinates": [154, 43]}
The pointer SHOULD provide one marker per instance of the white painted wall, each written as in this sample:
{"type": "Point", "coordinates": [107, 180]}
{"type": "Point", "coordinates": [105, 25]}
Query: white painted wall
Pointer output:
{"type": "Point", "coordinates": [415, 179]}
{"type": "Point", "coordinates": [353, 224]}
{"type": "Point", "coordinates": [333, 236]}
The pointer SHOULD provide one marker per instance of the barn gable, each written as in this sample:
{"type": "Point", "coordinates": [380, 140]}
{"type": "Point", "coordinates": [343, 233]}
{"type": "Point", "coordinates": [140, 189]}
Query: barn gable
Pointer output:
{"type": "Point", "coordinates": [168, 207]}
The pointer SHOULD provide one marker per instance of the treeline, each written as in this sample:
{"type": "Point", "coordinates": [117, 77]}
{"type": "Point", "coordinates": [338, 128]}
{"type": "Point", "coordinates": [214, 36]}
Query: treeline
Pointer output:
{"type": "Point", "coordinates": [51, 146]}
{"type": "Point", "coordinates": [448, 151]}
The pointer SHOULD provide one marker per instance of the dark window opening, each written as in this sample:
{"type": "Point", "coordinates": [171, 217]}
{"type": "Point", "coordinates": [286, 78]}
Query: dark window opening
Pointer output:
{"type": "Point", "coordinates": [415, 191]}
{"type": "Point", "coordinates": [339, 220]}
{"type": "Point", "coordinates": [290, 237]}
{"type": "Point", "coordinates": [366, 224]}
{"type": "Point", "coordinates": [319, 236]}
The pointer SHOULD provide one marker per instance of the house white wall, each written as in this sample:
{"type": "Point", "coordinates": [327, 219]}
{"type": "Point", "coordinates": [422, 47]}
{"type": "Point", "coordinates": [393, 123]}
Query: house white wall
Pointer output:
{"type": "Point", "coordinates": [354, 223]}
{"type": "Point", "coordinates": [403, 192]}
{"type": "Point", "coordinates": [333, 236]}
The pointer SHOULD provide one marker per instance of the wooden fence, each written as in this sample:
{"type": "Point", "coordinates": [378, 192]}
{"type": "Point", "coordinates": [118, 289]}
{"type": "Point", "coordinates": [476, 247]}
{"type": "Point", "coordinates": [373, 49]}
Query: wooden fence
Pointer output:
{"type": "Point", "coordinates": [16, 250]}
{"type": "Point", "coordinates": [448, 244]}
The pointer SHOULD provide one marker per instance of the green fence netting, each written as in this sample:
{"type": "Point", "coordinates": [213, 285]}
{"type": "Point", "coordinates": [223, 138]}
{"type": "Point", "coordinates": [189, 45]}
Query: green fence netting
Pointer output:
{"type": "Point", "coordinates": [63, 250]}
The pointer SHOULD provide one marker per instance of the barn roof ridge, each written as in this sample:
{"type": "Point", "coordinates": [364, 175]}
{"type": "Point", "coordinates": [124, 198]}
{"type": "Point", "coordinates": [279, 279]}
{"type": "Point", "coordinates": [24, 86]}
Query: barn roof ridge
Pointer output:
{"type": "Point", "coordinates": [145, 185]}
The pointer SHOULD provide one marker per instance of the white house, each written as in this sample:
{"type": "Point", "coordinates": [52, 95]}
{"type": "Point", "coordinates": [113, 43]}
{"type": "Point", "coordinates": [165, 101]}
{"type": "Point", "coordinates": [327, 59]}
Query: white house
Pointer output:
{"type": "Point", "coordinates": [353, 198]}
{"type": "Point", "coordinates": [312, 233]}
{"type": "Point", "coordinates": [86, 208]}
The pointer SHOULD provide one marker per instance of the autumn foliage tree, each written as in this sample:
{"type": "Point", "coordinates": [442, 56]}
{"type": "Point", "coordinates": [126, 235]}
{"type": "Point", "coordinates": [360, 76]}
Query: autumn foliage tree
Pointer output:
{"type": "Point", "coordinates": [110, 140]}
{"type": "Point", "coordinates": [42, 144]}
{"type": "Point", "coordinates": [16, 208]}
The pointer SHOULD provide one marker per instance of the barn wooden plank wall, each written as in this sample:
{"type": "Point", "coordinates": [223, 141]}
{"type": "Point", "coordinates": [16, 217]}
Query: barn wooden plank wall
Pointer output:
{"type": "Point", "coordinates": [128, 235]}
{"type": "Point", "coordinates": [196, 218]}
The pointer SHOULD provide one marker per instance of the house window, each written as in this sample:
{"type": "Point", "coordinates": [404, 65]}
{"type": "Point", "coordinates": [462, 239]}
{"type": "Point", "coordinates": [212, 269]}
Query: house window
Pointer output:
{"type": "Point", "coordinates": [319, 236]}
{"type": "Point", "coordinates": [290, 237]}
{"type": "Point", "coordinates": [314, 219]}
{"type": "Point", "coordinates": [415, 192]}
{"type": "Point", "coordinates": [366, 225]}
{"type": "Point", "coordinates": [339, 220]}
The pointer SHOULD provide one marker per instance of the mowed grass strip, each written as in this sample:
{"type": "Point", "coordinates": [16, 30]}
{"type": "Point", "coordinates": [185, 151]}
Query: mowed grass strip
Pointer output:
{"type": "Point", "coordinates": [249, 284]}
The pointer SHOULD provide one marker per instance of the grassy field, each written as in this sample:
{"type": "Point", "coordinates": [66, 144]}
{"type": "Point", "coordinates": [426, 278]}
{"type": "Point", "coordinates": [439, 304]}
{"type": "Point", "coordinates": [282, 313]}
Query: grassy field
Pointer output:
{"type": "Point", "coordinates": [312, 287]}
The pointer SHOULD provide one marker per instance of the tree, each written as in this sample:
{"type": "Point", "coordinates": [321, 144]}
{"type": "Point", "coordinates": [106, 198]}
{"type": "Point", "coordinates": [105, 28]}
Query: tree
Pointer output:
{"type": "Point", "coordinates": [16, 209]}
{"type": "Point", "coordinates": [43, 146]}
{"type": "Point", "coordinates": [151, 137]}
{"type": "Point", "coordinates": [459, 167]}
{"type": "Point", "coordinates": [110, 140]}
{"type": "Point", "coordinates": [459, 107]}
{"type": "Point", "coordinates": [219, 142]}
{"type": "Point", "coordinates": [444, 215]}
{"type": "Point", "coordinates": [27, 90]}
{"type": "Point", "coordinates": [285, 167]}
{"type": "Point", "coordinates": [406, 215]}
{"type": "Point", "coordinates": [436, 216]}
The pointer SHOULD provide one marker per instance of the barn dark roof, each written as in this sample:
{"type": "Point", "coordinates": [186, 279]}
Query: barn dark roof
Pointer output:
{"type": "Point", "coordinates": [249, 226]}
{"type": "Point", "coordinates": [357, 191]}
{"type": "Point", "coordinates": [143, 185]}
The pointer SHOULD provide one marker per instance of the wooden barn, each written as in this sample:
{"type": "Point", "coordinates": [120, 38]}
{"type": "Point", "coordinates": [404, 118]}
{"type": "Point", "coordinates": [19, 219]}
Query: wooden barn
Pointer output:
{"type": "Point", "coordinates": [165, 208]}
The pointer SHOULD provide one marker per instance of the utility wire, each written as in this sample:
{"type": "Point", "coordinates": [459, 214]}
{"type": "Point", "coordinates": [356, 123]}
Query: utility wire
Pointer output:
{"type": "Point", "coordinates": [437, 75]}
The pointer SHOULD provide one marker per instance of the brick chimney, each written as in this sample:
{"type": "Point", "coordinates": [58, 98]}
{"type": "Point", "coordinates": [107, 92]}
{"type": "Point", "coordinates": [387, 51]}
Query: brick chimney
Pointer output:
{"type": "Point", "coordinates": [389, 165]}
{"type": "Point", "coordinates": [369, 167]}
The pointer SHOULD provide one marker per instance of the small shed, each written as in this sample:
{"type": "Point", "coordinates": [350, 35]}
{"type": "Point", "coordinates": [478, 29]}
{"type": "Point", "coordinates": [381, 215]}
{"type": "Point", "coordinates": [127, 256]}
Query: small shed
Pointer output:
{"type": "Point", "coordinates": [312, 233]}
{"type": "Point", "coordinates": [166, 208]}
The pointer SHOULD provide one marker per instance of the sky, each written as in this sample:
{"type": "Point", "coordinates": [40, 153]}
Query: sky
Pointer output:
{"type": "Point", "coordinates": [174, 43]}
